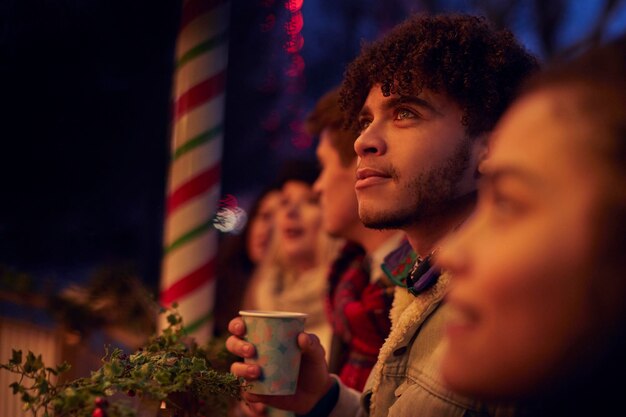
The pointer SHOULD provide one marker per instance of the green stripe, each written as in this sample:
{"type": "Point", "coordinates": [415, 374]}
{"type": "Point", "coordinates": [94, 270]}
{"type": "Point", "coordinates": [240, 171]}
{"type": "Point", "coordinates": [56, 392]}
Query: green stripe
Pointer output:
{"type": "Point", "coordinates": [199, 323]}
{"type": "Point", "coordinates": [190, 235]}
{"type": "Point", "coordinates": [197, 141]}
{"type": "Point", "coordinates": [202, 48]}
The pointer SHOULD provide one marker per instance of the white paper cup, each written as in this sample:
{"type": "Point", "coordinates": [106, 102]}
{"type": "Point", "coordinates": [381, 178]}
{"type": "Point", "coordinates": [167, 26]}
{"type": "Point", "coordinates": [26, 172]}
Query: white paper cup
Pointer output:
{"type": "Point", "coordinates": [274, 335]}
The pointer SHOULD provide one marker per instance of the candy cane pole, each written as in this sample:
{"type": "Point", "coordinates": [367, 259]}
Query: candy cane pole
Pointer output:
{"type": "Point", "coordinates": [193, 189]}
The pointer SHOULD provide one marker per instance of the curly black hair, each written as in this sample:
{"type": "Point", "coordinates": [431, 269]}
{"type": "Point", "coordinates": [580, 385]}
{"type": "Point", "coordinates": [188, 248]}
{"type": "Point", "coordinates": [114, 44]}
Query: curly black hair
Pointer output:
{"type": "Point", "coordinates": [464, 57]}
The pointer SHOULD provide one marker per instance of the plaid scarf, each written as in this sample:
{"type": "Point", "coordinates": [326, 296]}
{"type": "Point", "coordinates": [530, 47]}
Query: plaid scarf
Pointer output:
{"type": "Point", "coordinates": [359, 313]}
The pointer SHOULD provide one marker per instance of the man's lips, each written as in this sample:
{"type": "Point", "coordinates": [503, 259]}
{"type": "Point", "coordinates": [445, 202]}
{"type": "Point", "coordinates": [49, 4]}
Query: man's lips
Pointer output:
{"type": "Point", "coordinates": [366, 177]}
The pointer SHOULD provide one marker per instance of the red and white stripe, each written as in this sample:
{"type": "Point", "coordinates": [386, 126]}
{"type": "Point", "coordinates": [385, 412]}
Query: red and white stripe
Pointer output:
{"type": "Point", "coordinates": [190, 240]}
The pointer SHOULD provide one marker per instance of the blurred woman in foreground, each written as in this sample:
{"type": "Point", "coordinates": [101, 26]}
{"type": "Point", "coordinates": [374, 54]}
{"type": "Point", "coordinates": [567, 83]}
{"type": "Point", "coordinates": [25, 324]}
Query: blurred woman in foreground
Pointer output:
{"type": "Point", "coordinates": [540, 269]}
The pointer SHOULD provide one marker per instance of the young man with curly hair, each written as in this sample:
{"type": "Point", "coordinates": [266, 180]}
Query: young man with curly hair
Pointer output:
{"type": "Point", "coordinates": [423, 99]}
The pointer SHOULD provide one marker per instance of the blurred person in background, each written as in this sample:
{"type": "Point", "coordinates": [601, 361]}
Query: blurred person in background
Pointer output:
{"type": "Point", "coordinates": [360, 294]}
{"type": "Point", "coordinates": [261, 225]}
{"type": "Point", "coordinates": [539, 272]}
{"type": "Point", "coordinates": [293, 274]}
{"type": "Point", "coordinates": [240, 254]}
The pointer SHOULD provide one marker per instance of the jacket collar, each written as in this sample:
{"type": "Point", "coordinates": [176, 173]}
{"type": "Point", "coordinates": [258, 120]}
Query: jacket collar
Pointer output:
{"type": "Point", "coordinates": [398, 264]}
{"type": "Point", "coordinates": [403, 267]}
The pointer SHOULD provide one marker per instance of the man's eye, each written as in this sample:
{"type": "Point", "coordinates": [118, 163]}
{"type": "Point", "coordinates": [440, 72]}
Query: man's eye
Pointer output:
{"type": "Point", "coordinates": [402, 114]}
{"type": "Point", "coordinates": [364, 124]}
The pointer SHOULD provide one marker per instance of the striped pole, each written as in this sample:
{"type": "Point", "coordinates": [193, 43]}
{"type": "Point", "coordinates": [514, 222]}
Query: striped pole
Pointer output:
{"type": "Point", "coordinates": [193, 189]}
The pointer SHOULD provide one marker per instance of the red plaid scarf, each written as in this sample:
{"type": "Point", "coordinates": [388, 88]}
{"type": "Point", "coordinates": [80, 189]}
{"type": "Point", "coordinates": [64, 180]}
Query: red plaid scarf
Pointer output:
{"type": "Point", "coordinates": [359, 313]}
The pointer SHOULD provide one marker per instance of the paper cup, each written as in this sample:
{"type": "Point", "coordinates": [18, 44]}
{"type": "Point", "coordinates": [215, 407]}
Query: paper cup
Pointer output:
{"type": "Point", "coordinates": [274, 335]}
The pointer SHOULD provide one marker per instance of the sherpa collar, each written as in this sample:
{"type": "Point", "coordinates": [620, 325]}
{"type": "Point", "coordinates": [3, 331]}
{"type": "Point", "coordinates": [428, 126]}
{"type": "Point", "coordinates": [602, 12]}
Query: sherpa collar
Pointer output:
{"type": "Point", "coordinates": [407, 313]}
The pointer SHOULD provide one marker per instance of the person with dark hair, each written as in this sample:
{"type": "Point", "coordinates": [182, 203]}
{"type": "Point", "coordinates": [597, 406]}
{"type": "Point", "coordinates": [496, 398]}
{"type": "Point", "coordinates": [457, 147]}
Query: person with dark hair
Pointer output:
{"type": "Point", "coordinates": [538, 273]}
{"type": "Point", "coordinates": [360, 295]}
{"type": "Point", "coordinates": [461, 57]}
{"type": "Point", "coordinates": [423, 99]}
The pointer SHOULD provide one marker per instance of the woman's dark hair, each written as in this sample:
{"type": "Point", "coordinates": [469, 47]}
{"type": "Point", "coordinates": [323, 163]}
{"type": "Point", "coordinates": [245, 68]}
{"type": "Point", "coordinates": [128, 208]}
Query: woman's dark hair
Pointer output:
{"type": "Point", "coordinates": [461, 56]}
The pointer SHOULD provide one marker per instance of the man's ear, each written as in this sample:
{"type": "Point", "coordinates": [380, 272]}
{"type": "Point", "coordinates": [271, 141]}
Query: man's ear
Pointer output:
{"type": "Point", "coordinates": [481, 150]}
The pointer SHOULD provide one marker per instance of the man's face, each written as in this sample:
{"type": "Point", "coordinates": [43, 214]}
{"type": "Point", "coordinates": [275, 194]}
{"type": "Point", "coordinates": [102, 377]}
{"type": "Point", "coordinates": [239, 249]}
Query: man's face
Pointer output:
{"type": "Point", "coordinates": [335, 186]}
{"type": "Point", "coordinates": [414, 157]}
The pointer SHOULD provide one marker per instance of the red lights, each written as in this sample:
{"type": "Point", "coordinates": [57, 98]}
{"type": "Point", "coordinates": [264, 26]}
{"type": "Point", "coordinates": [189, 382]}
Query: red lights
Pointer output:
{"type": "Point", "coordinates": [294, 44]}
{"type": "Point", "coordinates": [296, 68]}
{"type": "Point", "coordinates": [290, 82]}
{"type": "Point", "coordinates": [295, 24]}
{"type": "Point", "coordinates": [293, 5]}
{"type": "Point", "coordinates": [295, 40]}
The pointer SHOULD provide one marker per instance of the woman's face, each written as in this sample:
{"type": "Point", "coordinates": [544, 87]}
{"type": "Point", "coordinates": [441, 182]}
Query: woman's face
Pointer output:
{"type": "Point", "coordinates": [519, 300]}
{"type": "Point", "coordinates": [261, 226]}
{"type": "Point", "coordinates": [298, 221]}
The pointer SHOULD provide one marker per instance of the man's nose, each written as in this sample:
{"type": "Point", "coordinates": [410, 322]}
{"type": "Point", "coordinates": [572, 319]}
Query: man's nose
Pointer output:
{"type": "Point", "coordinates": [370, 142]}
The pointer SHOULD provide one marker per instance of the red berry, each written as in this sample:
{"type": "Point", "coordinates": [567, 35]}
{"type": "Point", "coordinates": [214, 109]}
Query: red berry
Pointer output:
{"type": "Point", "coordinates": [99, 412]}
{"type": "Point", "coordinates": [101, 402]}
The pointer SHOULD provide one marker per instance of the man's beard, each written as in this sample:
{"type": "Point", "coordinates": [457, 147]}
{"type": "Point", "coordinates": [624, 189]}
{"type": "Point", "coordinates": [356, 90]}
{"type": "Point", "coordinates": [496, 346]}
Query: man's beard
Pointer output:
{"type": "Point", "coordinates": [430, 194]}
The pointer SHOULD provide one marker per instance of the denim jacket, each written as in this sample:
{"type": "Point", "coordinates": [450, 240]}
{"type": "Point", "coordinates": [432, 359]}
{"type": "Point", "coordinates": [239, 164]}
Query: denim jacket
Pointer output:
{"type": "Point", "coordinates": [406, 381]}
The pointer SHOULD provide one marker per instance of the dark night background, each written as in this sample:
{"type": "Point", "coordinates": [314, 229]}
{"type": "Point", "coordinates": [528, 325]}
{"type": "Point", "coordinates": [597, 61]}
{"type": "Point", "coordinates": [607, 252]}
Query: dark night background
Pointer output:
{"type": "Point", "coordinates": [85, 92]}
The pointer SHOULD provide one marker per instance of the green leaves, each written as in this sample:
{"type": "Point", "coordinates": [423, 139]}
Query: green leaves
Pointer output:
{"type": "Point", "coordinates": [64, 367]}
{"type": "Point", "coordinates": [33, 387]}
{"type": "Point", "coordinates": [170, 367]}
{"type": "Point", "coordinates": [198, 364]}
{"type": "Point", "coordinates": [16, 387]}
{"type": "Point", "coordinates": [43, 385]}
{"type": "Point", "coordinates": [33, 363]}
{"type": "Point", "coordinates": [173, 319]}
{"type": "Point", "coordinates": [16, 357]}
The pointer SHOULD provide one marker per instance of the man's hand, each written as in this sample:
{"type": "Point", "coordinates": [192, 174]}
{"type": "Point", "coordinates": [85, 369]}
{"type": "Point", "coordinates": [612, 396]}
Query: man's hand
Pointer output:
{"type": "Point", "coordinates": [314, 379]}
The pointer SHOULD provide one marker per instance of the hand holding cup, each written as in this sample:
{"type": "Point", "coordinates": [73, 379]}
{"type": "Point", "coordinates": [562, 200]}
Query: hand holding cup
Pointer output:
{"type": "Point", "coordinates": [313, 382]}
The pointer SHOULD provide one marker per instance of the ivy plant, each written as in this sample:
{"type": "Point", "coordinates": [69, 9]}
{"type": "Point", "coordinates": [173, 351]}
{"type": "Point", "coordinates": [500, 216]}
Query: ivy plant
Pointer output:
{"type": "Point", "coordinates": [171, 372]}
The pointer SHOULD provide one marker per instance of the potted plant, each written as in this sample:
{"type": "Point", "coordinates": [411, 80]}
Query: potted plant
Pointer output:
{"type": "Point", "coordinates": [170, 376]}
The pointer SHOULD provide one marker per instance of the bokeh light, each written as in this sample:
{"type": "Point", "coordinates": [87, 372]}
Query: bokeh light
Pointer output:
{"type": "Point", "coordinates": [294, 5]}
